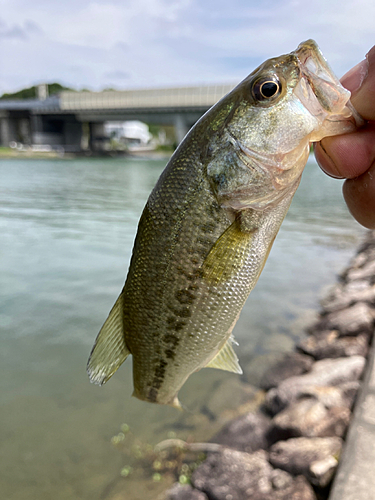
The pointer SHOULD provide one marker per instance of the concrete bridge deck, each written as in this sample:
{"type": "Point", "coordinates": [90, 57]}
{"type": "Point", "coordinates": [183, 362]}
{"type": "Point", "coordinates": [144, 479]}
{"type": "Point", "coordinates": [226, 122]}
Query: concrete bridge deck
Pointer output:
{"type": "Point", "coordinates": [58, 120]}
{"type": "Point", "coordinates": [171, 98]}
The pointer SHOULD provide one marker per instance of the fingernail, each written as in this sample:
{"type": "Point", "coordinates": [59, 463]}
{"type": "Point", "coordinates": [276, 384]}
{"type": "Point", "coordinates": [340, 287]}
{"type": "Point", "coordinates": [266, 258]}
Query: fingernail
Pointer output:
{"type": "Point", "coordinates": [354, 78]}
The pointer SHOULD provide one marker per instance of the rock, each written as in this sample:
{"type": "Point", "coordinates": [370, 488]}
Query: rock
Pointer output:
{"type": "Point", "coordinates": [358, 261]}
{"type": "Point", "coordinates": [315, 458]}
{"type": "Point", "coordinates": [328, 344]}
{"type": "Point", "coordinates": [340, 302]}
{"type": "Point", "coordinates": [322, 471]}
{"type": "Point", "coordinates": [344, 296]}
{"type": "Point", "coordinates": [330, 396]}
{"type": "Point", "coordinates": [367, 272]}
{"type": "Point", "coordinates": [367, 296]}
{"type": "Point", "coordinates": [309, 418]}
{"type": "Point", "coordinates": [340, 291]}
{"type": "Point", "coordinates": [350, 321]}
{"type": "Point", "coordinates": [184, 492]}
{"type": "Point", "coordinates": [280, 479]}
{"type": "Point", "coordinates": [368, 245]}
{"type": "Point", "coordinates": [356, 287]}
{"type": "Point", "coordinates": [234, 475]}
{"type": "Point", "coordinates": [297, 489]}
{"type": "Point", "coordinates": [245, 433]}
{"type": "Point", "coordinates": [325, 372]}
{"type": "Point", "coordinates": [292, 364]}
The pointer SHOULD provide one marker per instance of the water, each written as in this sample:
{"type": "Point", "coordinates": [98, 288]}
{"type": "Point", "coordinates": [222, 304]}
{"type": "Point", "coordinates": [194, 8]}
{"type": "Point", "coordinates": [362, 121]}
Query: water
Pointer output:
{"type": "Point", "coordinates": [67, 229]}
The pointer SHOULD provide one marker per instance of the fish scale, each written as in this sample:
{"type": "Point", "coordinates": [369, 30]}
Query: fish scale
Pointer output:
{"type": "Point", "coordinates": [210, 222]}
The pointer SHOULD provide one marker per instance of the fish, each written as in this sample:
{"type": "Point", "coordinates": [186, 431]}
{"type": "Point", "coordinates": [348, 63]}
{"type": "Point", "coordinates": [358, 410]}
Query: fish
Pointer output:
{"type": "Point", "coordinates": [209, 224]}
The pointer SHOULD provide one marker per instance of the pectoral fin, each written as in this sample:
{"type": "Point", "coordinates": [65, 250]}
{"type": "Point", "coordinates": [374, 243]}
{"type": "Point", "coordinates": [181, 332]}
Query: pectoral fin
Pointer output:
{"type": "Point", "coordinates": [109, 350]}
{"type": "Point", "coordinates": [226, 359]}
{"type": "Point", "coordinates": [228, 254]}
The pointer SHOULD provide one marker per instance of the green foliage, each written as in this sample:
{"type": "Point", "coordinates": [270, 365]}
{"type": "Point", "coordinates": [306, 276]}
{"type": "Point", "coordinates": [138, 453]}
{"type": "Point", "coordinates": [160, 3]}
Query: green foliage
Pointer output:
{"type": "Point", "coordinates": [169, 148]}
{"type": "Point", "coordinates": [153, 129]}
{"type": "Point", "coordinates": [55, 88]}
{"type": "Point", "coordinates": [31, 92]}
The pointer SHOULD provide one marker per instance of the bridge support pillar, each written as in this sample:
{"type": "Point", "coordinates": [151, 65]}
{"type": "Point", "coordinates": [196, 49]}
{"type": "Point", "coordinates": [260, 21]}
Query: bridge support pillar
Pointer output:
{"type": "Point", "coordinates": [96, 136]}
{"type": "Point", "coordinates": [181, 127]}
{"type": "Point", "coordinates": [36, 123]}
{"type": "Point", "coordinates": [7, 130]}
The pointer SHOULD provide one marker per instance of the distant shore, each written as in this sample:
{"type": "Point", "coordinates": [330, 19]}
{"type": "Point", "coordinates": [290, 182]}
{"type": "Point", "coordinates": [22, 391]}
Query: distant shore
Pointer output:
{"type": "Point", "coordinates": [8, 153]}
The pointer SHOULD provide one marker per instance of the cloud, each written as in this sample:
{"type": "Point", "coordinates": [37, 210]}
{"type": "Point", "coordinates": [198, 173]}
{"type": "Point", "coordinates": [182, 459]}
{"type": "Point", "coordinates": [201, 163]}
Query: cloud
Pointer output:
{"type": "Point", "coordinates": [117, 75]}
{"type": "Point", "coordinates": [116, 79]}
{"type": "Point", "coordinates": [14, 32]}
{"type": "Point", "coordinates": [32, 28]}
{"type": "Point", "coordinates": [145, 43]}
{"type": "Point", "coordinates": [19, 31]}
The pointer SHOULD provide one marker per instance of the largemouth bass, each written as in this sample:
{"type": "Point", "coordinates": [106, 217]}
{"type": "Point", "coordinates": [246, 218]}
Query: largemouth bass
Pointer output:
{"type": "Point", "coordinates": [209, 223]}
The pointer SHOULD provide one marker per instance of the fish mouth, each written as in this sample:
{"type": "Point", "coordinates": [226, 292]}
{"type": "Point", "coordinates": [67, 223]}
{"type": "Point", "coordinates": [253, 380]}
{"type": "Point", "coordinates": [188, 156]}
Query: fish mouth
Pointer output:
{"type": "Point", "coordinates": [321, 92]}
{"type": "Point", "coordinates": [327, 88]}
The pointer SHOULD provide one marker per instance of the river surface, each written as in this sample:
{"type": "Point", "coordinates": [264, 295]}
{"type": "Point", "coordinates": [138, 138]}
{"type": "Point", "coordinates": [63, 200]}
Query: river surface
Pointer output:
{"type": "Point", "coordinates": [67, 228]}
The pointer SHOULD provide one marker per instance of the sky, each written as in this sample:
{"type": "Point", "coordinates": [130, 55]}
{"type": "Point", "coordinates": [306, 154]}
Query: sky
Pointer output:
{"type": "Point", "coordinates": [126, 44]}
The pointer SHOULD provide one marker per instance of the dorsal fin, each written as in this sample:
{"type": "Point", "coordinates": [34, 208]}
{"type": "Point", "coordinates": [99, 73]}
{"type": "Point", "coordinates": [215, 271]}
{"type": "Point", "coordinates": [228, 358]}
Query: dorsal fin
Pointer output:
{"type": "Point", "coordinates": [109, 350]}
{"type": "Point", "coordinates": [226, 359]}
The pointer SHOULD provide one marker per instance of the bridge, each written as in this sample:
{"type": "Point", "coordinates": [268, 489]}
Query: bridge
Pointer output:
{"type": "Point", "coordinates": [63, 121]}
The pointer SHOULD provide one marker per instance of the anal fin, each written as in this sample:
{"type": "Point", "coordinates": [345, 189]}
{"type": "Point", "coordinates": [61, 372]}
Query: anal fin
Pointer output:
{"type": "Point", "coordinates": [109, 350]}
{"type": "Point", "coordinates": [226, 359]}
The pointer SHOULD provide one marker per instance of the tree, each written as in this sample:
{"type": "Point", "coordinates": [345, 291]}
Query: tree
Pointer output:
{"type": "Point", "coordinates": [31, 92]}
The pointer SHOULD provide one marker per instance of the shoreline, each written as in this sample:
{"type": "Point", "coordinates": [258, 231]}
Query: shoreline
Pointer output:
{"type": "Point", "coordinates": [303, 440]}
{"type": "Point", "coordinates": [11, 153]}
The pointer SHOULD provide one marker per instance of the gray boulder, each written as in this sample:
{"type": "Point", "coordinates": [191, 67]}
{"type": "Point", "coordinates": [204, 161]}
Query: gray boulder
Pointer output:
{"type": "Point", "coordinates": [315, 458]}
{"type": "Point", "coordinates": [331, 396]}
{"type": "Point", "coordinates": [310, 418]}
{"type": "Point", "coordinates": [327, 372]}
{"type": "Point", "coordinates": [292, 364]}
{"type": "Point", "coordinates": [356, 262]}
{"type": "Point", "coordinates": [328, 344]}
{"type": "Point", "coordinates": [245, 433]}
{"type": "Point", "coordinates": [351, 321]}
{"type": "Point", "coordinates": [367, 272]}
{"type": "Point", "coordinates": [184, 492]}
{"type": "Point", "coordinates": [344, 296]}
{"type": "Point", "coordinates": [233, 475]}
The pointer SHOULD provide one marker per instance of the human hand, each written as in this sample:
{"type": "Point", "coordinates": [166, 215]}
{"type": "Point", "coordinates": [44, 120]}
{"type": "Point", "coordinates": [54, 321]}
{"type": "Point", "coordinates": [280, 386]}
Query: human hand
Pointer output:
{"type": "Point", "coordinates": [352, 156]}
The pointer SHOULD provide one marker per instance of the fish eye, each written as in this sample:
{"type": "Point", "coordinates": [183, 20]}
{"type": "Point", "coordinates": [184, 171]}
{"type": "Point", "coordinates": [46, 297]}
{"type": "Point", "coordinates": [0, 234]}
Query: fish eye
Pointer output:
{"type": "Point", "coordinates": [266, 89]}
